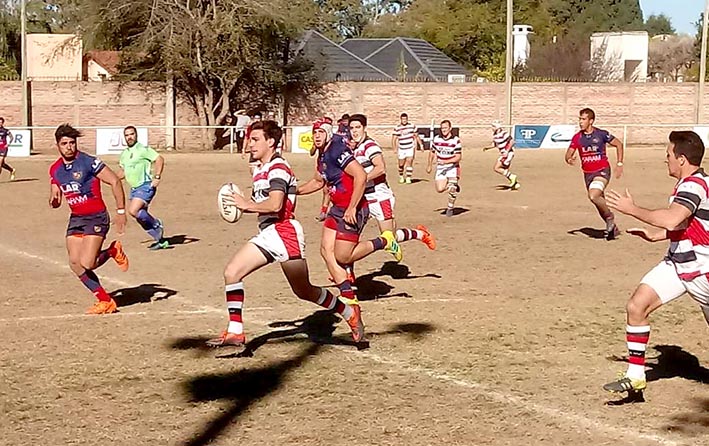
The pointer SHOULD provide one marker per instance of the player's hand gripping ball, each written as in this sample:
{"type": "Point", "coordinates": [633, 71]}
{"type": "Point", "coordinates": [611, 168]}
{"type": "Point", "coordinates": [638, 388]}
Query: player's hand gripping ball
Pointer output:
{"type": "Point", "coordinates": [227, 209]}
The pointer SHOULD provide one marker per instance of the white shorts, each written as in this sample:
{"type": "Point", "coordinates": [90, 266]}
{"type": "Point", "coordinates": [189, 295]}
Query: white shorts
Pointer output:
{"type": "Point", "coordinates": [506, 159]}
{"type": "Point", "coordinates": [405, 153]}
{"type": "Point", "coordinates": [281, 242]}
{"type": "Point", "coordinates": [664, 280]}
{"type": "Point", "coordinates": [381, 204]}
{"type": "Point", "coordinates": [447, 172]}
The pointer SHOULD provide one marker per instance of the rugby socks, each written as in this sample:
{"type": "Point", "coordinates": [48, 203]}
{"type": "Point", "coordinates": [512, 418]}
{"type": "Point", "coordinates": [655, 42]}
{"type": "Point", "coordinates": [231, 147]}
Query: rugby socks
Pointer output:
{"type": "Point", "coordinates": [409, 173]}
{"type": "Point", "coordinates": [506, 173]}
{"type": "Point", "coordinates": [7, 166]}
{"type": "Point", "coordinates": [452, 193]}
{"type": "Point", "coordinates": [637, 338]}
{"type": "Point", "coordinates": [378, 243]}
{"type": "Point", "coordinates": [104, 255]}
{"type": "Point", "coordinates": [403, 235]}
{"type": "Point", "coordinates": [149, 224]}
{"type": "Point", "coordinates": [328, 301]}
{"type": "Point", "coordinates": [323, 210]}
{"type": "Point", "coordinates": [347, 293]}
{"type": "Point", "coordinates": [90, 281]}
{"type": "Point", "coordinates": [235, 304]}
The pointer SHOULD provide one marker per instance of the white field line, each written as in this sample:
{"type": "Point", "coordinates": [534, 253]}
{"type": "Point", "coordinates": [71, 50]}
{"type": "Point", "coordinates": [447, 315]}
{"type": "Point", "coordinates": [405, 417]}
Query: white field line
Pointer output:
{"type": "Point", "coordinates": [567, 417]}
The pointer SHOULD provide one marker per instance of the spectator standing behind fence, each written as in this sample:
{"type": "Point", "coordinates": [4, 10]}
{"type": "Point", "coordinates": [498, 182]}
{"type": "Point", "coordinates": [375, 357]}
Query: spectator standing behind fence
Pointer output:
{"type": "Point", "coordinates": [227, 134]}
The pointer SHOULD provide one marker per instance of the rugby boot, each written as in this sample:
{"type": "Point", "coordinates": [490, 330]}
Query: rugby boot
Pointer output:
{"type": "Point", "coordinates": [227, 339]}
{"type": "Point", "coordinates": [103, 307]}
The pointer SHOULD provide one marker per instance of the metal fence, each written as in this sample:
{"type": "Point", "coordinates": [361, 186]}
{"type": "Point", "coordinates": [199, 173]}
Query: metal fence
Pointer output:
{"type": "Point", "coordinates": [191, 138]}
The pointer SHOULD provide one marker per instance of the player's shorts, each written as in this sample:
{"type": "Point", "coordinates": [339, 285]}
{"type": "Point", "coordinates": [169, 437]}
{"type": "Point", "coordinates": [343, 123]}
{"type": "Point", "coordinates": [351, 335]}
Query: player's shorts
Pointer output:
{"type": "Point", "coordinates": [506, 159]}
{"type": "Point", "coordinates": [336, 221]}
{"type": "Point", "coordinates": [588, 177]}
{"type": "Point", "coordinates": [381, 204]}
{"type": "Point", "coordinates": [91, 224]}
{"type": "Point", "coordinates": [405, 153]}
{"type": "Point", "coordinates": [664, 279]}
{"type": "Point", "coordinates": [145, 192]}
{"type": "Point", "coordinates": [447, 172]}
{"type": "Point", "coordinates": [282, 241]}
{"type": "Point", "coordinates": [4, 149]}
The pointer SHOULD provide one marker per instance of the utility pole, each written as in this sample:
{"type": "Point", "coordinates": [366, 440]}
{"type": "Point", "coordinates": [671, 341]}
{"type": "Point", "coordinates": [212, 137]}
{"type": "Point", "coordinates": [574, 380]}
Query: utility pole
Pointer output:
{"type": "Point", "coordinates": [23, 51]}
{"type": "Point", "coordinates": [509, 61]}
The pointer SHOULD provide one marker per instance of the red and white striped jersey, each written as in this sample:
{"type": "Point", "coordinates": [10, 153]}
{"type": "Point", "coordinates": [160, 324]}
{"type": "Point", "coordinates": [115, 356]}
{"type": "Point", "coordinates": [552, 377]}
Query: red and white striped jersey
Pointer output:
{"type": "Point", "coordinates": [689, 244]}
{"type": "Point", "coordinates": [364, 153]}
{"type": "Point", "coordinates": [275, 175]}
{"type": "Point", "coordinates": [503, 141]}
{"type": "Point", "coordinates": [446, 148]}
{"type": "Point", "coordinates": [405, 136]}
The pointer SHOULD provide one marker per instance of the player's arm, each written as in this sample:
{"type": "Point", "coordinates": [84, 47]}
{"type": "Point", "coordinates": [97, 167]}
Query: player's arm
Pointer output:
{"type": "Point", "coordinates": [667, 219]}
{"type": "Point", "coordinates": [620, 154]}
{"type": "Point", "coordinates": [394, 141]}
{"type": "Point", "coordinates": [379, 167]}
{"type": "Point", "coordinates": [158, 167]}
{"type": "Point", "coordinates": [272, 204]}
{"type": "Point", "coordinates": [312, 185]}
{"type": "Point", "coordinates": [650, 235]}
{"type": "Point", "coordinates": [431, 155]}
{"type": "Point", "coordinates": [109, 177]}
{"type": "Point", "coordinates": [10, 137]}
{"type": "Point", "coordinates": [55, 196]}
{"type": "Point", "coordinates": [569, 157]}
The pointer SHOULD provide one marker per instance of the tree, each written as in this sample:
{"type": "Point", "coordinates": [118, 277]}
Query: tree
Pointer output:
{"type": "Point", "coordinates": [670, 57]}
{"type": "Point", "coordinates": [656, 25]}
{"type": "Point", "coordinates": [215, 51]}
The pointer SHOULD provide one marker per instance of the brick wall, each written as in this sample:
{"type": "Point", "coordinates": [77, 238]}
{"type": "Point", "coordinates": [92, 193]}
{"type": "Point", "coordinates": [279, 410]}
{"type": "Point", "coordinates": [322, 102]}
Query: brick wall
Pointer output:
{"type": "Point", "coordinates": [95, 104]}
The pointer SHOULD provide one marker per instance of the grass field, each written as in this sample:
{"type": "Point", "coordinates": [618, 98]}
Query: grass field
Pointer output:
{"type": "Point", "coordinates": [502, 336]}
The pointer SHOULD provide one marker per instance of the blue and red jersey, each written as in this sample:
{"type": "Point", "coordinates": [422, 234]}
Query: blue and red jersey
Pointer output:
{"type": "Point", "coordinates": [592, 149]}
{"type": "Point", "coordinates": [4, 133]}
{"type": "Point", "coordinates": [331, 166]}
{"type": "Point", "coordinates": [79, 183]}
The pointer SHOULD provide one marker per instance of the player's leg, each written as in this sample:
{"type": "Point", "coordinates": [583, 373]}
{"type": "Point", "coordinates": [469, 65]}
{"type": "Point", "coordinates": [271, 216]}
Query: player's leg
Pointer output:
{"type": "Point", "coordinates": [83, 254]}
{"type": "Point", "coordinates": [503, 168]}
{"type": "Point", "coordinates": [409, 167]}
{"type": "Point", "coordinates": [596, 188]}
{"type": "Point", "coordinates": [453, 189]}
{"type": "Point", "coordinates": [336, 269]}
{"type": "Point", "coordinates": [660, 286]}
{"type": "Point", "coordinates": [247, 260]}
{"type": "Point", "coordinates": [6, 166]}
{"type": "Point", "coordinates": [296, 272]}
{"type": "Point", "coordinates": [140, 199]}
{"type": "Point", "coordinates": [402, 162]}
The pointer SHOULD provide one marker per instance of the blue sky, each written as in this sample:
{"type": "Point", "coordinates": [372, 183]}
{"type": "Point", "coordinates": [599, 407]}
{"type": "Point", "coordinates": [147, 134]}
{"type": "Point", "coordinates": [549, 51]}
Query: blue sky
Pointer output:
{"type": "Point", "coordinates": [682, 12]}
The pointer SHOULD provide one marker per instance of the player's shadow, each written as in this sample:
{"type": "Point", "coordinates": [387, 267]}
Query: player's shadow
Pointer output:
{"type": "Point", "coordinates": [243, 388]}
{"type": "Point", "coordinates": [147, 292]}
{"type": "Point", "coordinates": [671, 362]}
{"type": "Point", "coordinates": [456, 210]}
{"type": "Point", "coordinates": [419, 180]}
{"type": "Point", "coordinates": [370, 289]}
{"type": "Point", "coordinates": [505, 187]}
{"type": "Point", "coordinates": [589, 232]}
{"type": "Point", "coordinates": [692, 423]}
{"type": "Point", "coordinates": [180, 239]}
{"type": "Point", "coordinates": [23, 180]}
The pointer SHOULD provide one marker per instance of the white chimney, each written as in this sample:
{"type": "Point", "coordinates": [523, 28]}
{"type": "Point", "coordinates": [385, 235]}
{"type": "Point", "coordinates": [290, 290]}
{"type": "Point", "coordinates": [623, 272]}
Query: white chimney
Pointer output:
{"type": "Point", "coordinates": [521, 48]}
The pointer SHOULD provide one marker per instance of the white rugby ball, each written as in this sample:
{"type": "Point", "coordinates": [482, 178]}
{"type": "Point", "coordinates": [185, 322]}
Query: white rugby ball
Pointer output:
{"type": "Point", "coordinates": [229, 212]}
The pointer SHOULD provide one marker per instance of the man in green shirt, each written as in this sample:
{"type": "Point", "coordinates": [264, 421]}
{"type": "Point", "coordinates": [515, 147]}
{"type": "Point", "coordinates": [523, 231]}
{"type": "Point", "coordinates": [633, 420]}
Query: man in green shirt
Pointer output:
{"type": "Point", "coordinates": [136, 164]}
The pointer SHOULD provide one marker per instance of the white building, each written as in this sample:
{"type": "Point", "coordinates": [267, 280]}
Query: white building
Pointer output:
{"type": "Point", "coordinates": [520, 44]}
{"type": "Point", "coordinates": [620, 56]}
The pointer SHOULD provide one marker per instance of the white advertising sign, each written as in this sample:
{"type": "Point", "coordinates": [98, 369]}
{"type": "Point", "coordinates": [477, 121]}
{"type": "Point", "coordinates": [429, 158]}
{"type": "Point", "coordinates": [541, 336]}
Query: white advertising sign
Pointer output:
{"type": "Point", "coordinates": [559, 136]}
{"type": "Point", "coordinates": [301, 139]}
{"type": "Point", "coordinates": [110, 141]}
{"type": "Point", "coordinates": [20, 145]}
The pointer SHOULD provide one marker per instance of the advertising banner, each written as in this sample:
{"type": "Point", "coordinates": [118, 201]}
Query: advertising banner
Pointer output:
{"type": "Point", "coordinates": [20, 145]}
{"type": "Point", "coordinates": [110, 141]}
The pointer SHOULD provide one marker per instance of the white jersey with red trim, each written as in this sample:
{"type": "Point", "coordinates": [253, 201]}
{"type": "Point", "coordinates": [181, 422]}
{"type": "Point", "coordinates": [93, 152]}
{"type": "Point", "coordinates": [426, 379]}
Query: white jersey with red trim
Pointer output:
{"type": "Point", "coordinates": [446, 148]}
{"type": "Point", "coordinates": [503, 141]}
{"type": "Point", "coordinates": [405, 135]}
{"type": "Point", "coordinates": [275, 175]}
{"type": "Point", "coordinates": [364, 153]}
{"type": "Point", "coordinates": [689, 244]}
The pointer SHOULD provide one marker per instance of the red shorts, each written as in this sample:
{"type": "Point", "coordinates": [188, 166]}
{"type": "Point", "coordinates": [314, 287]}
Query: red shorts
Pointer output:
{"type": "Point", "coordinates": [336, 221]}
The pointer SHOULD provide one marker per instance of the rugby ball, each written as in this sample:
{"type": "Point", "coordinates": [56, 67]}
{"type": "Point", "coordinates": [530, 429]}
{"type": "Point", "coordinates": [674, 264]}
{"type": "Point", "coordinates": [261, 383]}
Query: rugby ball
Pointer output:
{"type": "Point", "coordinates": [228, 211]}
